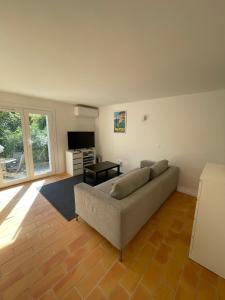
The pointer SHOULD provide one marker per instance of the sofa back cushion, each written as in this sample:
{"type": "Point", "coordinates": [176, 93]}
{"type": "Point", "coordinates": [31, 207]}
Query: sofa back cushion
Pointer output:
{"type": "Point", "coordinates": [146, 163]}
{"type": "Point", "coordinates": [158, 168]}
{"type": "Point", "coordinates": [129, 183]}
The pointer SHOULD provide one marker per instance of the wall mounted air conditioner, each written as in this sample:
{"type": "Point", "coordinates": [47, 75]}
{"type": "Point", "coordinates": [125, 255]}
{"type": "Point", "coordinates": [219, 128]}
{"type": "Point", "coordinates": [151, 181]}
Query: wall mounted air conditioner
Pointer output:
{"type": "Point", "coordinates": [85, 111]}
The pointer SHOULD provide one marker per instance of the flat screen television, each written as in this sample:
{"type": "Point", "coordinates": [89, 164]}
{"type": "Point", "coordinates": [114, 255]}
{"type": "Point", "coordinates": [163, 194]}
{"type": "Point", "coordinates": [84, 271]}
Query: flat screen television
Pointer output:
{"type": "Point", "coordinates": [80, 139]}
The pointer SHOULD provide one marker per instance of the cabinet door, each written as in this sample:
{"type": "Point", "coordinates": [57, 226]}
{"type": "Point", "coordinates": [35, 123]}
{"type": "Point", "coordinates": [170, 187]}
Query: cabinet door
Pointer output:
{"type": "Point", "coordinates": [208, 246]}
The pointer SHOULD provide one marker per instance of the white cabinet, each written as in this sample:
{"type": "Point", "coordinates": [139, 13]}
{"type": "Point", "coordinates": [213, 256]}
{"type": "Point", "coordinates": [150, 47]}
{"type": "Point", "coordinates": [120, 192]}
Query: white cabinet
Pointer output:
{"type": "Point", "coordinates": [208, 233]}
{"type": "Point", "coordinates": [78, 159]}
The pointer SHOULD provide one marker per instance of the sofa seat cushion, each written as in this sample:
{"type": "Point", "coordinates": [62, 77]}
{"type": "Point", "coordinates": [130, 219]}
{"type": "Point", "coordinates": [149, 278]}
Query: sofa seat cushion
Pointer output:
{"type": "Point", "coordinates": [129, 183]}
{"type": "Point", "coordinates": [158, 168]}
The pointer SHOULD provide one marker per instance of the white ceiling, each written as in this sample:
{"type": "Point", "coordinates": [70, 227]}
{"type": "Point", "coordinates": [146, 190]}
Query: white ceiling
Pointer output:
{"type": "Point", "coordinates": [99, 52]}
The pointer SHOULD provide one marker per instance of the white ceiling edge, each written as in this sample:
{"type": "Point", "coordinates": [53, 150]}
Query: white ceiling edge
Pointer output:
{"type": "Point", "coordinates": [18, 96]}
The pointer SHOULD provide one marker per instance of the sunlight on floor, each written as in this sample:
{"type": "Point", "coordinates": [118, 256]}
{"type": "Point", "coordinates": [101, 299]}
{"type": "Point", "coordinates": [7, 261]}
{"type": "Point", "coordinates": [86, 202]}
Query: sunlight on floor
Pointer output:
{"type": "Point", "coordinates": [7, 195]}
{"type": "Point", "coordinates": [12, 223]}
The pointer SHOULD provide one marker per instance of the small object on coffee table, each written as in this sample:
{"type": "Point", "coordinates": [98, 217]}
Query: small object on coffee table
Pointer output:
{"type": "Point", "coordinates": [104, 166]}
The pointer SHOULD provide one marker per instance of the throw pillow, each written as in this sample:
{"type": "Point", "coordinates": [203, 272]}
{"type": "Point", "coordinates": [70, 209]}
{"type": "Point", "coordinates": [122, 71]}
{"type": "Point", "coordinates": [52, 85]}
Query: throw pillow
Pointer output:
{"type": "Point", "coordinates": [158, 168]}
{"type": "Point", "coordinates": [147, 163]}
{"type": "Point", "coordinates": [129, 183]}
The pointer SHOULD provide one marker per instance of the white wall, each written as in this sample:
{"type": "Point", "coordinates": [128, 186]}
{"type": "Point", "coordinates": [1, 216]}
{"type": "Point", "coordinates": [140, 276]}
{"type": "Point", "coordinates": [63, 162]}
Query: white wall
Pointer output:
{"type": "Point", "coordinates": [64, 120]}
{"type": "Point", "coordinates": [188, 130]}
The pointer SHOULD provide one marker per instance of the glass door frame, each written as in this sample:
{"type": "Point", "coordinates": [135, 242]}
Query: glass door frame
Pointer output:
{"type": "Point", "coordinates": [24, 113]}
{"type": "Point", "coordinates": [25, 149]}
{"type": "Point", "coordinates": [51, 142]}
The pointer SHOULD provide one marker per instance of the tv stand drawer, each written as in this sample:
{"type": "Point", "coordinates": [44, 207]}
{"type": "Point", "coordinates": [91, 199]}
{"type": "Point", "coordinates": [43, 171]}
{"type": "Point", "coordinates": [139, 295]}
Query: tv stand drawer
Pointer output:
{"type": "Point", "coordinates": [78, 166]}
{"type": "Point", "coordinates": [77, 161]}
{"type": "Point", "coordinates": [77, 155]}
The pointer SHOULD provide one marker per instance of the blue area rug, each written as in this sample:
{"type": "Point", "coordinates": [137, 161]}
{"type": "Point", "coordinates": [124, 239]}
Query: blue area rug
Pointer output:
{"type": "Point", "coordinates": [61, 193]}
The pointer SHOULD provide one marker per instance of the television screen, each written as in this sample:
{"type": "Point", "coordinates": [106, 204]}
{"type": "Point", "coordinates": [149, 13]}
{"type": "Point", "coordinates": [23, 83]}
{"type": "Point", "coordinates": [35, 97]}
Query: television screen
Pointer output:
{"type": "Point", "coordinates": [80, 139]}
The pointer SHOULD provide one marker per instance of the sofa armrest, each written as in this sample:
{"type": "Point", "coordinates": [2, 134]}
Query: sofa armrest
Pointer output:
{"type": "Point", "coordinates": [100, 211]}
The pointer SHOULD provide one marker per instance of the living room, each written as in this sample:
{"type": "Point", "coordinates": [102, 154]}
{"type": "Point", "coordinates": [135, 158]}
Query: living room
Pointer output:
{"type": "Point", "coordinates": [112, 150]}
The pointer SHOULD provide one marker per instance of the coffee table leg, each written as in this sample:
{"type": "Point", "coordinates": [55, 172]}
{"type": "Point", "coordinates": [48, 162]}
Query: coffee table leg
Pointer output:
{"type": "Point", "coordinates": [84, 176]}
{"type": "Point", "coordinates": [96, 178]}
{"type": "Point", "coordinates": [118, 170]}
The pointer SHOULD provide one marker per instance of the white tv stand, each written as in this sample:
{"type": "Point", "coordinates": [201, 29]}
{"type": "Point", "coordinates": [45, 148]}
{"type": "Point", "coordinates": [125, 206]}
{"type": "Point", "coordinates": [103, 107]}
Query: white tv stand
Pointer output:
{"type": "Point", "coordinates": [76, 160]}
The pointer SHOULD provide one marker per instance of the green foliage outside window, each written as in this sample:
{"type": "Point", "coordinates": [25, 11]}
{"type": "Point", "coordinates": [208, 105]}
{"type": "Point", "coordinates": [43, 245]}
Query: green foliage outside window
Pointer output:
{"type": "Point", "coordinates": [11, 137]}
{"type": "Point", "coordinates": [39, 137]}
{"type": "Point", "coordinates": [10, 133]}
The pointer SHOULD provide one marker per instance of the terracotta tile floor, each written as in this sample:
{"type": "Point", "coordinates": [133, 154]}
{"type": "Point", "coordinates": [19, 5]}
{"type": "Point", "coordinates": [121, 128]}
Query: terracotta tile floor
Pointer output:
{"type": "Point", "coordinates": [44, 256]}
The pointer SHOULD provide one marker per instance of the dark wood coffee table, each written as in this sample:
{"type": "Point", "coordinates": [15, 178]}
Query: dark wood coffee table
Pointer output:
{"type": "Point", "coordinates": [104, 166]}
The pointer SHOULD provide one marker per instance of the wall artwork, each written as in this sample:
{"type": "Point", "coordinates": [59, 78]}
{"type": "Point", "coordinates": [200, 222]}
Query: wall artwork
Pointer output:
{"type": "Point", "coordinates": [120, 121]}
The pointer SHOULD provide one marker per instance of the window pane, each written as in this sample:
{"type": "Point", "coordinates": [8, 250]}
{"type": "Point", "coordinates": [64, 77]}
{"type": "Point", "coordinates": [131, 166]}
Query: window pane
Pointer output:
{"type": "Point", "coordinates": [12, 161]}
{"type": "Point", "coordinates": [39, 134]}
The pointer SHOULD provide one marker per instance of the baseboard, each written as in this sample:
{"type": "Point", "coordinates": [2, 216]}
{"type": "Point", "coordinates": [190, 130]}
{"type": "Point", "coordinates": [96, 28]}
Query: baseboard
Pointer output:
{"type": "Point", "coordinates": [187, 191]}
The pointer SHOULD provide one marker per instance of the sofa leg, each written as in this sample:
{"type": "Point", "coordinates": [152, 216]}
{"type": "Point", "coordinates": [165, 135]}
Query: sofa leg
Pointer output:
{"type": "Point", "coordinates": [120, 255]}
{"type": "Point", "coordinates": [77, 218]}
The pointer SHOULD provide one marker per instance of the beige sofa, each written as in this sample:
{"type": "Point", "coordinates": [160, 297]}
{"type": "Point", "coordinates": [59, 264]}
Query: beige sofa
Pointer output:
{"type": "Point", "coordinates": [120, 220]}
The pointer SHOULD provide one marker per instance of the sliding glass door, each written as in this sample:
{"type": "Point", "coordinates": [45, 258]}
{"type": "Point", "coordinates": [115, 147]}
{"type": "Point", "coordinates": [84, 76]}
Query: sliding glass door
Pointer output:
{"type": "Point", "coordinates": [13, 159]}
{"type": "Point", "coordinates": [39, 142]}
{"type": "Point", "coordinates": [26, 145]}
